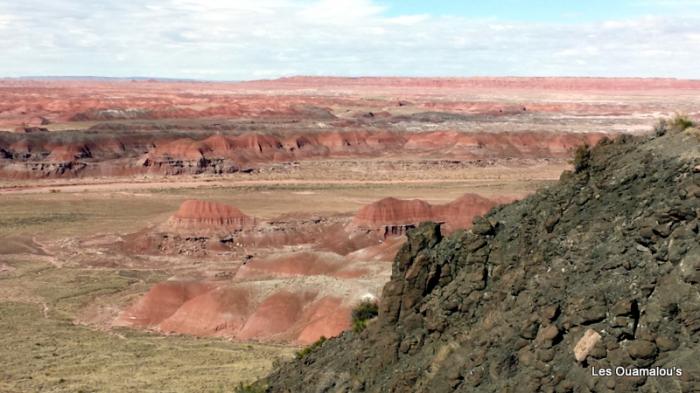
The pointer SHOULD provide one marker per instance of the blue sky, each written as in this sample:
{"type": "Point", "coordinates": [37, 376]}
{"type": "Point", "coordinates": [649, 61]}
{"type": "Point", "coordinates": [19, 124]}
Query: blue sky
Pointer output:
{"type": "Point", "coordinates": [540, 10]}
{"type": "Point", "coordinates": [242, 39]}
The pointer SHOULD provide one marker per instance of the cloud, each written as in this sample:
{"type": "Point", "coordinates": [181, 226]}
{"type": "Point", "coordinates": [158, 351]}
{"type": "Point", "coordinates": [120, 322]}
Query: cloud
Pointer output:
{"type": "Point", "coordinates": [343, 12]}
{"type": "Point", "coordinates": [217, 39]}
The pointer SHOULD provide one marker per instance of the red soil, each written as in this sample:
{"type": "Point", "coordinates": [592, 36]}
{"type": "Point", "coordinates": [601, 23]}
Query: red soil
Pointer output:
{"type": "Point", "coordinates": [384, 251]}
{"type": "Point", "coordinates": [327, 317]}
{"type": "Point", "coordinates": [460, 213]}
{"type": "Point", "coordinates": [229, 127]}
{"type": "Point", "coordinates": [391, 216]}
{"type": "Point", "coordinates": [292, 297]}
{"type": "Point", "coordinates": [233, 311]}
{"type": "Point", "coordinates": [162, 301]}
{"type": "Point", "coordinates": [67, 153]}
{"type": "Point", "coordinates": [47, 156]}
{"type": "Point", "coordinates": [196, 215]}
{"type": "Point", "coordinates": [35, 103]}
{"type": "Point", "coordinates": [219, 312]}
{"type": "Point", "coordinates": [502, 144]}
{"type": "Point", "coordinates": [254, 148]}
{"type": "Point", "coordinates": [268, 299]}
{"type": "Point", "coordinates": [299, 264]}
{"type": "Point", "coordinates": [276, 315]}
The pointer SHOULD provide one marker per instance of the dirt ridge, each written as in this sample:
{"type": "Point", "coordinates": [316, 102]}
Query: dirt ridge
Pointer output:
{"type": "Point", "coordinates": [70, 155]}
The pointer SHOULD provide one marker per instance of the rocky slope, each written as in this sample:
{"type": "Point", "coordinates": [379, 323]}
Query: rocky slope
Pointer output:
{"type": "Point", "coordinates": [600, 271]}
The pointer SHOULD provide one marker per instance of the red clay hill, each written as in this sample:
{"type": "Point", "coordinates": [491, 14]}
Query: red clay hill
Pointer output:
{"type": "Point", "coordinates": [291, 311]}
{"type": "Point", "coordinates": [202, 216]}
{"type": "Point", "coordinates": [124, 154]}
{"type": "Point", "coordinates": [392, 217]}
{"type": "Point", "coordinates": [201, 227]}
{"type": "Point", "coordinates": [237, 312]}
{"type": "Point", "coordinates": [288, 296]}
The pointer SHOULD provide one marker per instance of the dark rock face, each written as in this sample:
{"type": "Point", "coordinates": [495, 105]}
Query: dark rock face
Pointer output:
{"type": "Point", "coordinates": [612, 251]}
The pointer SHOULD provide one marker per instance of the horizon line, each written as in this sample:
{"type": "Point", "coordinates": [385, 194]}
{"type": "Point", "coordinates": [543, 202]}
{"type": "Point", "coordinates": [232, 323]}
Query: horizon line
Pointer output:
{"type": "Point", "coordinates": [87, 78]}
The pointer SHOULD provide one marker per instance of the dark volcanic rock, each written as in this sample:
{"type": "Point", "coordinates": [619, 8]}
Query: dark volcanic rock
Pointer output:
{"type": "Point", "coordinates": [612, 251]}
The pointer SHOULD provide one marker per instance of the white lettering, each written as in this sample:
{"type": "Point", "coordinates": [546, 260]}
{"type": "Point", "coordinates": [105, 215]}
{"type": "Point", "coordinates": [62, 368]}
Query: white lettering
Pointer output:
{"type": "Point", "coordinates": [638, 372]}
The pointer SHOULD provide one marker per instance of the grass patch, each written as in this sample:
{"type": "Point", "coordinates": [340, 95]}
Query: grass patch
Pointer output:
{"type": "Point", "coordinates": [40, 354]}
{"type": "Point", "coordinates": [681, 122]}
{"type": "Point", "coordinates": [676, 124]}
{"type": "Point", "coordinates": [44, 350]}
{"type": "Point", "coordinates": [306, 351]}
{"type": "Point", "coordinates": [38, 220]}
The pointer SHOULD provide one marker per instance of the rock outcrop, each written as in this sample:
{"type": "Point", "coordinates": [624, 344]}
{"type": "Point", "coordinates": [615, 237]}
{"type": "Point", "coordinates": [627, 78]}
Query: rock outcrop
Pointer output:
{"type": "Point", "coordinates": [516, 304]}
{"type": "Point", "coordinates": [394, 217]}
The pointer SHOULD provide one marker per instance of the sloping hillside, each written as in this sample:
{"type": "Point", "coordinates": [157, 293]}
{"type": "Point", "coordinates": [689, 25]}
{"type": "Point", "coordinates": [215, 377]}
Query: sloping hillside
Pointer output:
{"type": "Point", "coordinates": [600, 271]}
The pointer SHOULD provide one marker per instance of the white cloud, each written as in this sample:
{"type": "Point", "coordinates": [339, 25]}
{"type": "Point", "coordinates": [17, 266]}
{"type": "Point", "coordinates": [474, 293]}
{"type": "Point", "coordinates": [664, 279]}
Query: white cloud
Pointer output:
{"type": "Point", "coordinates": [343, 12]}
{"type": "Point", "coordinates": [236, 39]}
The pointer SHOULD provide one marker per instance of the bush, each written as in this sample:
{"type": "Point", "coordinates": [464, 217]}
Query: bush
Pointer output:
{"type": "Point", "coordinates": [582, 157]}
{"type": "Point", "coordinates": [304, 352]}
{"type": "Point", "coordinates": [680, 123]}
{"type": "Point", "coordinates": [362, 313]}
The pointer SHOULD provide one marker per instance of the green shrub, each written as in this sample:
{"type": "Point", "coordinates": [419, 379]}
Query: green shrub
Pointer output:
{"type": "Point", "coordinates": [359, 325]}
{"type": "Point", "coordinates": [680, 123]}
{"type": "Point", "coordinates": [362, 313]}
{"type": "Point", "coordinates": [302, 353]}
{"type": "Point", "coordinates": [582, 158]}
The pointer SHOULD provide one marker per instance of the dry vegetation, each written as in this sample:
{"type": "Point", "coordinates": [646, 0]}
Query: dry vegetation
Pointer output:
{"type": "Point", "coordinates": [43, 350]}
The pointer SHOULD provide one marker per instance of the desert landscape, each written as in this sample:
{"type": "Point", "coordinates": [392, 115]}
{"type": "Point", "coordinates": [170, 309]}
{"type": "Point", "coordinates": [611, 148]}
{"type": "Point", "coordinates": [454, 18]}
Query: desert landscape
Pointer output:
{"type": "Point", "coordinates": [184, 236]}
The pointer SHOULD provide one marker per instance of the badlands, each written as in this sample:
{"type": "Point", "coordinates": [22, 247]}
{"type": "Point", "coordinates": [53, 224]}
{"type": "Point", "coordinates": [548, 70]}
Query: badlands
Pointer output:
{"type": "Point", "coordinates": [226, 225]}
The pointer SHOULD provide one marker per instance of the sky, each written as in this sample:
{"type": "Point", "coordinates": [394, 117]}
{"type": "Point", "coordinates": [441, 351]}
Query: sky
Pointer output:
{"type": "Point", "coordinates": [244, 39]}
